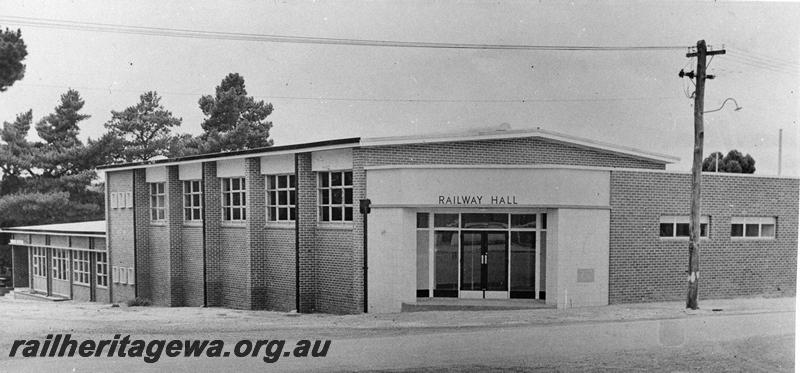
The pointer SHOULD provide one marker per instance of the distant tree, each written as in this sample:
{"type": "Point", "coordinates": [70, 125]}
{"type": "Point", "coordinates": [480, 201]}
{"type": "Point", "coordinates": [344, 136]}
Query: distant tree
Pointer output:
{"type": "Point", "coordinates": [144, 128]}
{"type": "Point", "coordinates": [62, 151]}
{"type": "Point", "coordinates": [15, 149]}
{"type": "Point", "coordinates": [50, 181]}
{"type": "Point", "coordinates": [15, 152]}
{"type": "Point", "coordinates": [734, 162]}
{"type": "Point", "coordinates": [234, 121]}
{"type": "Point", "coordinates": [12, 53]}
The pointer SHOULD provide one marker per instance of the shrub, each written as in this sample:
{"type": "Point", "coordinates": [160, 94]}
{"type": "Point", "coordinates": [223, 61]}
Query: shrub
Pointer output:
{"type": "Point", "coordinates": [138, 302]}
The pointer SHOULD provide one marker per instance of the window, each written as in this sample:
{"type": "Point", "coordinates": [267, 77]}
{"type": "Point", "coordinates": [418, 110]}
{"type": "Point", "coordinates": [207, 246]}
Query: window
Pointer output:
{"type": "Point", "coordinates": [192, 200]}
{"type": "Point", "coordinates": [678, 226]}
{"type": "Point", "coordinates": [281, 197]}
{"type": "Point", "coordinates": [753, 227]}
{"type": "Point", "coordinates": [233, 199]}
{"type": "Point", "coordinates": [336, 196]}
{"type": "Point", "coordinates": [80, 267]}
{"type": "Point", "coordinates": [39, 257]}
{"type": "Point", "coordinates": [157, 199]}
{"type": "Point", "coordinates": [101, 262]}
{"type": "Point", "coordinates": [60, 264]}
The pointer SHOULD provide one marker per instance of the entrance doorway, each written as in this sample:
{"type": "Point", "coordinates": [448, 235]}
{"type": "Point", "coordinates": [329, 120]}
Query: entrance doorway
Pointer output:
{"type": "Point", "coordinates": [481, 254]}
{"type": "Point", "coordinates": [484, 264]}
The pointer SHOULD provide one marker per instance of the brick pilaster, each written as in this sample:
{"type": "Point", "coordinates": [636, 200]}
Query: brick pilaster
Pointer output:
{"type": "Point", "coordinates": [141, 234]}
{"type": "Point", "coordinates": [174, 197]}
{"type": "Point", "coordinates": [306, 231]}
{"type": "Point", "coordinates": [212, 226]}
{"type": "Point", "coordinates": [256, 237]}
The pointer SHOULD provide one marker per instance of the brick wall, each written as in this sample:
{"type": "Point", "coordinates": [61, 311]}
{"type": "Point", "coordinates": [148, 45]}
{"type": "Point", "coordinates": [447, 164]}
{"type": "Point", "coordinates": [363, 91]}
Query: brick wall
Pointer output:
{"type": "Point", "coordinates": [278, 269]}
{"type": "Point", "coordinates": [334, 262]}
{"type": "Point", "coordinates": [174, 252]}
{"type": "Point", "coordinates": [528, 150]}
{"type": "Point", "coordinates": [191, 278]}
{"type": "Point", "coordinates": [644, 267]}
{"type": "Point", "coordinates": [306, 231]}
{"type": "Point", "coordinates": [213, 231]}
{"type": "Point", "coordinates": [121, 230]}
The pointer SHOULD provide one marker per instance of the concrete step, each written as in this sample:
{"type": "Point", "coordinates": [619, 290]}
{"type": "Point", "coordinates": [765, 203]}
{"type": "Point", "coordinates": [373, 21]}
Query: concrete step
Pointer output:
{"type": "Point", "coordinates": [38, 296]}
{"type": "Point", "coordinates": [454, 304]}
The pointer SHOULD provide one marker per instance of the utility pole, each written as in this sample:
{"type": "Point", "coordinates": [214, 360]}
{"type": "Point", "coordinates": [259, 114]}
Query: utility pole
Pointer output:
{"type": "Point", "coordinates": [697, 167]}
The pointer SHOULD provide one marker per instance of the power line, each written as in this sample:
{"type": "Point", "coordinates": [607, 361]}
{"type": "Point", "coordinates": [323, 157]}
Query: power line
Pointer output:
{"type": "Point", "coordinates": [759, 65]}
{"type": "Point", "coordinates": [218, 35]}
{"type": "Point", "coordinates": [761, 61]}
{"type": "Point", "coordinates": [383, 99]}
{"type": "Point", "coordinates": [768, 58]}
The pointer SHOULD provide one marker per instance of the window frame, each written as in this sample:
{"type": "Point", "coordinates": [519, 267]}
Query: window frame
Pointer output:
{"type": "Point", "coordinates": [39, 265]}
{"type": "Point", "coordinates": [226, 207]}
{"type": "Point", "coordinates": [60, 264]}
{"type": "Point", "coordinates": [189, 192]}
{"type": "Point", "coordinates": [273, 206]}
{"type": "Point", "coordinates": [759, 221]}
{"type": "Point", "coordinates": [683, 219]}
{"type": "Point", "coordinates": [329, 190]}
{"type": "Point", "coordinates": [101, 269]}
{"type": "Point", "coordinates": [81, 267]}
{"type": "Point", "coordinates": [158, 202]}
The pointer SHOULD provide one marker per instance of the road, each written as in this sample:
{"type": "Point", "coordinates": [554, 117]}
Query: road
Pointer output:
{"type": "Point", "coordinates": [738, 342]}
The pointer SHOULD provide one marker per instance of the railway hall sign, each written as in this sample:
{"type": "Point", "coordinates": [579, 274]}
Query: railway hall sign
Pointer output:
{"type": "Point", "coordinates": [478, 200]}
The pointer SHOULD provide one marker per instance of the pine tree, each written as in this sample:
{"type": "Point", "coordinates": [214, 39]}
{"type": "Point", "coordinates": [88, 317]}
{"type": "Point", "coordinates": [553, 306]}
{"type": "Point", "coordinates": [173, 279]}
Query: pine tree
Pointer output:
{"type": "Point", "coordinates": [12, 53]}
{"type": "Point", "coordinates": [143, 129]}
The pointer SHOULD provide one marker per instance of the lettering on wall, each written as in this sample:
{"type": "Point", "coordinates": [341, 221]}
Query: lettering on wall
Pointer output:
{"type": "Point", "coordinates": [478, 200]}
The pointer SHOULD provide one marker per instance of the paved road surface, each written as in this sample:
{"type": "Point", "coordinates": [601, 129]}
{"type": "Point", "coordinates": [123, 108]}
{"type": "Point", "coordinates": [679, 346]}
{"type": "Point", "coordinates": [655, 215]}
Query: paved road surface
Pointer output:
{"type": "Point", "coordinates": [481, 348]}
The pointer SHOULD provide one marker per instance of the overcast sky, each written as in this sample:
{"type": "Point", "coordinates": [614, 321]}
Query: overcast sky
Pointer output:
{"type": "Point", "coordinates": [632, 98]}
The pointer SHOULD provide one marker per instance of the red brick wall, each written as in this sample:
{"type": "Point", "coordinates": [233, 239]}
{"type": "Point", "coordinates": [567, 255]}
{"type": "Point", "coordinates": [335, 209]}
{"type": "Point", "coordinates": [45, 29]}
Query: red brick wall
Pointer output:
{"type": "Point", "coordinates": [529, 150]}
{"type": "Point", "coordinates": [644, 267]}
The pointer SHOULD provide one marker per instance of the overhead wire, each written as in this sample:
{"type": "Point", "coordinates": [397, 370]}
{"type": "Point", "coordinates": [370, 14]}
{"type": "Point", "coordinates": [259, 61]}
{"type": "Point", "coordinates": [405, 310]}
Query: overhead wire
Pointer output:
{"type": "Point", "coordinates": [219, 35]}
{"type": "Point", "coordinates": [764, 63]}
{"type": "Point", "coordinates": [386, 99]}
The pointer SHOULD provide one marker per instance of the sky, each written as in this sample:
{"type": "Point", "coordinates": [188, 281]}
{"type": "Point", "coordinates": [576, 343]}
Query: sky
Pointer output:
{"type": "Point", "coordinates": [320, 92]}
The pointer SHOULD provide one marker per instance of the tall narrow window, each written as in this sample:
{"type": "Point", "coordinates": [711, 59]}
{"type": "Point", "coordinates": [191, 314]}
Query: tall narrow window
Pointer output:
{"type": "Point", "coordinates": [80, 267]}
{"type": "Point", "coordinates": [281, 197]}
{"type": "Point", "coordinates": [192, 200]}
{"type": "Point", "coordinates": [39, 261]}
{"type": "Point", "coordinates": [233, 199]}
{"type": "Point", "coordinates": [60, 264]}
{"type": "Point", "coordinates": [157, 202]}
{"type": "Point", "coordinates": [101, 262]}
{"type": "Point", "coordinates": [336, 196]}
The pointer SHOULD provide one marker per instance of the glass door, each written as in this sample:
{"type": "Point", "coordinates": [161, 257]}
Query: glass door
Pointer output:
{"type": "Point", "coordinates": [484, 264]}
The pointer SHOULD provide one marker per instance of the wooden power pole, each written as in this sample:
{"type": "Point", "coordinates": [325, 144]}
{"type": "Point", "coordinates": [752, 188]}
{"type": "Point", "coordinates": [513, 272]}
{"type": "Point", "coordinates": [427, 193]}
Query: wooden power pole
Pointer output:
{"type": "Point", "coordinates": [697, 167]}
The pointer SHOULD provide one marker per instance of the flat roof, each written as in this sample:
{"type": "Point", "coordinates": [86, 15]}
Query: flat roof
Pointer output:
{"type": "Point", "coordinates": [502, 132]}
{"type": "Point", "coordinates": [92, 228]}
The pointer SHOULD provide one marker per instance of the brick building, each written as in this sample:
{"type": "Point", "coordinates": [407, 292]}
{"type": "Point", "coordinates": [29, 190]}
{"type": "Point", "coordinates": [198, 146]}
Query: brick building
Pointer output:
{"type": "Point", "coordinates": [497, 214]}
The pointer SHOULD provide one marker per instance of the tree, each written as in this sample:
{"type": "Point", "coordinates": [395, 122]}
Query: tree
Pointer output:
{"type": "Point", "coordinates": [12, 53]}
{"type": "Point", "coordinates": [62, 151]}
{"type": "Point", "coordinates": [50, 181]}
{"type": "Point", "coordinates": [234, 121]}
{"type": "Point", "coordinates": [734, 162]}
{"type": "Point", "coordinates": [15, 155]}
{"type": "Point", "coordinates": [144, 129]}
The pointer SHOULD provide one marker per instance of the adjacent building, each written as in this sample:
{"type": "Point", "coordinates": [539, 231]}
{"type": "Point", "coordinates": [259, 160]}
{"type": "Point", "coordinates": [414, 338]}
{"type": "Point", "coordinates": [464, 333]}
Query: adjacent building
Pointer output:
{"type": "Point", "coordinates": [355, 225]}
